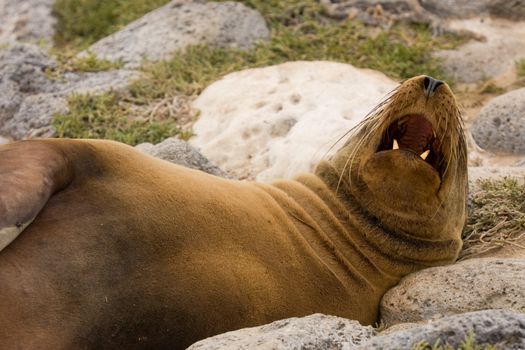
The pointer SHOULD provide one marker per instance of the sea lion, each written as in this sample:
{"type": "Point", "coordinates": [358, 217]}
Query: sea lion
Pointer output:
{"type": "Point", "coordinates": [122, 250]}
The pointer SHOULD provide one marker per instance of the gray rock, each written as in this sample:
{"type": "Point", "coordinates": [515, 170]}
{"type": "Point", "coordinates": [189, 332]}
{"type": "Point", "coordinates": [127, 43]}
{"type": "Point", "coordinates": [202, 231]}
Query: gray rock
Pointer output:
{"type": "Point", "coordinates": [22, 72]}
{"type": "Point", "coordinates": [500, 125]}
{"type": "Point", "coordinates": [457, 8]}
{"type": "Point", "coordinates": [180, 152]}
{"type": "Point", "coordinates": [315, 332]}
{"type": "Point", "coordinates": [503, 328]}
{"type": "Point", "coordinates": [29, 97]}
{"type": "Point", "coordinates": [514, 10]}
{"type": "Point", "coordinates": [34, 117]}
{"type": "Point", "coordinates": [95, 83]}
{"type": "Point", "coordinates": [26, 65]}
{"type": "Point", "coordinates": [26, 20]}
{"type": "Point", "coordinates": [10, 100]}
{"type": "Point", "coordinates": [377, 12]}
{"type": "Point", "coordinates": [179, 24]}
{"type": "Point", "coordinates": [493, 55]}
{"type": "Point", "coordinates": [470, 285]}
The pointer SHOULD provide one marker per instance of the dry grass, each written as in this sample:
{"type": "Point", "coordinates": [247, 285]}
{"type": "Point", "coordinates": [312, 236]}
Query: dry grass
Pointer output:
{"type": "Point", "coordinates": [496, 217]}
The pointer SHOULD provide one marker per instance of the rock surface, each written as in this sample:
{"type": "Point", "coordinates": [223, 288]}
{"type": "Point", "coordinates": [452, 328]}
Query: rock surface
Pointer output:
{"type": "Point", "coordinates": [180, 152]}
{"type": "Point", "coordinates": [503, 328]}
{"type": "Point", "coordinates": [470, 285]}
{"type": "Point", "coordinates": [317, 332]}
{"type": "Point", "coordinates": [26, 20]}
{"type": "Point", "coordinates": [500, 125]}
{"type": "Point", "coordinates": [493, 58]}
{"type": "Point", "coordinates": [179, 24]}
{"type": "Point", "coordinates": [378, 12]}
{"type": "Point", "coordinates": [274, 122]}
{"type": "Point", "coordinates": [29, 98]}
{"type": "Point", "coordinates": [514, 10]}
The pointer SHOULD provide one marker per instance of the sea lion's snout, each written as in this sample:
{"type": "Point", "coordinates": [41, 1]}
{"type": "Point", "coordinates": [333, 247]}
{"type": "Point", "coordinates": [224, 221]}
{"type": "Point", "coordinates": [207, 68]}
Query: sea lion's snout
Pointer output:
{"type": "Point", "coordinates": [430, 85]}
{"type": "Point", "coordinates": [407, 159]}
{"type": "Point", "coordinates": [422, 118]}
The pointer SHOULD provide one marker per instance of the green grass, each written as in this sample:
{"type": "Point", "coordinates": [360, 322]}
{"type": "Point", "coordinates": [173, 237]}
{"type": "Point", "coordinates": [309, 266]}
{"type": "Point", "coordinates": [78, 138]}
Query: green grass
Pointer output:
{"type": "Point", "coordinates": [299, 32]}
{"type": "Point", "coordinates": [103, 117]}
{"type": "Point", "coordinates": [497, 215]}
{"type": "Point", "coordinates": [82, 22]}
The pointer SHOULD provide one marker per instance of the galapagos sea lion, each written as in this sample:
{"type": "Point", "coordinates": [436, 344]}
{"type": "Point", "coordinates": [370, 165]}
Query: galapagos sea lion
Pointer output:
{"type": "Point", "coordinates": [125, 251]}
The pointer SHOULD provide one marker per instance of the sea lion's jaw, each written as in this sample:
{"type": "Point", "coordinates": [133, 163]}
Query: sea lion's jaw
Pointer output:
{"type": "Point", "coordinates": [415, 134]}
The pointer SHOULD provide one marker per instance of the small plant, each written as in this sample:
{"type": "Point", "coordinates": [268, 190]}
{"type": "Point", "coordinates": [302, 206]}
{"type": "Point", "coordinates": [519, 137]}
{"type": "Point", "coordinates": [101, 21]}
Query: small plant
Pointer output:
{"type": "Point", "coordinates": [497, 215]}
{"type": "Point", "coordinates": [90, 63]}
{"type": "Point", "coordinates": [520, 68]}
{"type": "Point", "coordinates": [491, 88]}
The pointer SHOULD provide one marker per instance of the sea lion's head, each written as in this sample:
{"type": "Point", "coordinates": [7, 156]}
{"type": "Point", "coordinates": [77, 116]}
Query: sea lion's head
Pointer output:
{"type": "Point", "coordinates": [406, 163]}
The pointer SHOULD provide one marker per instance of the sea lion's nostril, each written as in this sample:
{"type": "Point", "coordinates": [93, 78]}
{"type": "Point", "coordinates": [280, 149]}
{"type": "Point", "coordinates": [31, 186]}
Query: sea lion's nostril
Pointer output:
{"type": "Point", "coordinates": [426, 82]}
{"type": "Point", "coordinates": [430, 85]}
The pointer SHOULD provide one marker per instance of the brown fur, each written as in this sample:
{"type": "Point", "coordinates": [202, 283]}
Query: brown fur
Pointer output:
{"type": "Point", "coordinates": [134, 252]}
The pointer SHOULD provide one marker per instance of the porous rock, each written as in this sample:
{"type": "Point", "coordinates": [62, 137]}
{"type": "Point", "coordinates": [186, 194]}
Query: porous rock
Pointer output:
{"type": "Point", "coordinates": [502, 328]}
{"type": "Point", "coordinates": [500, 125]}
{"type": "Point", "coordinates": [180, 152]}
{"type": "Point", "coordinates": [470, 285]}
{"type": "Point", "coordinates": [274, 122]}
{"type": "Point", "coordinates": [319, 332]}
{"type": "Point", "coordinates": [26, 20]}
{"type": "Point", "coordinates": [179, 24]}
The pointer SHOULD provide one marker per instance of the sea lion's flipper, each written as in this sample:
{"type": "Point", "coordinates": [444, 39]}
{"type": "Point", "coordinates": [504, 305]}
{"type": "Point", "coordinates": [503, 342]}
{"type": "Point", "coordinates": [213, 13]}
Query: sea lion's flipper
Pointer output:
{"type": "Point", "coordinates": [30, 172]}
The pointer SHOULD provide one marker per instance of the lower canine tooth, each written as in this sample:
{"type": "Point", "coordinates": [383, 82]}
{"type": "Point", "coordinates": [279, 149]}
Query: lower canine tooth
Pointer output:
{"type": "Point", "coordinates": [396, 145]}
{"type": "Point", "coordinates": [425, 154]}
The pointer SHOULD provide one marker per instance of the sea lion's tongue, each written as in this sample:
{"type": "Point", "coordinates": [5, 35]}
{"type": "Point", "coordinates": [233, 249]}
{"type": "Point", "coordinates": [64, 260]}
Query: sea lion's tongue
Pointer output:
{"type": "Point", "coordinates": [415, 134]}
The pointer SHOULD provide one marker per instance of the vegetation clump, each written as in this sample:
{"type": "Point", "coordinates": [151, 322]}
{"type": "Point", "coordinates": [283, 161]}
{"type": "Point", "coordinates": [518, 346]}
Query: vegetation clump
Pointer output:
{"type": "Point", "coordinates": [103, 117]}
{"type": "Point", "coordinates": [520, 68]}
{"type": "Point", "coordinates": [496, 217]}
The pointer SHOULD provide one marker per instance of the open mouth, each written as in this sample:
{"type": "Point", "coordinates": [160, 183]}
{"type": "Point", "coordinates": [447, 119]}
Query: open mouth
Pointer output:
{"type": "Point", "coordinates": [414, 133]}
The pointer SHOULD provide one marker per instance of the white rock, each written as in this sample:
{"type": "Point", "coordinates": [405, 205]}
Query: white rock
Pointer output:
{"type": "Point", "coordinates": [274, 122]}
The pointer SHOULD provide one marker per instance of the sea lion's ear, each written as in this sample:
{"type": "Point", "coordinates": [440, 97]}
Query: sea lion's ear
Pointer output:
{"type": "Point", "coordinates": [30, 172]}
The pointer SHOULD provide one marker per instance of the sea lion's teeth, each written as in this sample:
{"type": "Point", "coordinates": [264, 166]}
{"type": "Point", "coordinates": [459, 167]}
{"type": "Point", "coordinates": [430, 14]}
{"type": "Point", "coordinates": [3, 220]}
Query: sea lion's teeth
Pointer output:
{"type": "Point", "coordinates": [425, 154]}
{"type": "Point", "coordinates": [396, 145]}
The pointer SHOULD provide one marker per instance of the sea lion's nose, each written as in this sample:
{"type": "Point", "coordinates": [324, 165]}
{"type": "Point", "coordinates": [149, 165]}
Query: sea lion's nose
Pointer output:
{"type": "Point", "coordinates": [430, 85]}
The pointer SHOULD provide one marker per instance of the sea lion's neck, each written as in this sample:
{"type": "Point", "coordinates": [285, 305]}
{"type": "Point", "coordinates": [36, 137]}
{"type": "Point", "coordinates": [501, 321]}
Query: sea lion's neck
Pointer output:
{"type": "Point", "coordinates": [339, 230]}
